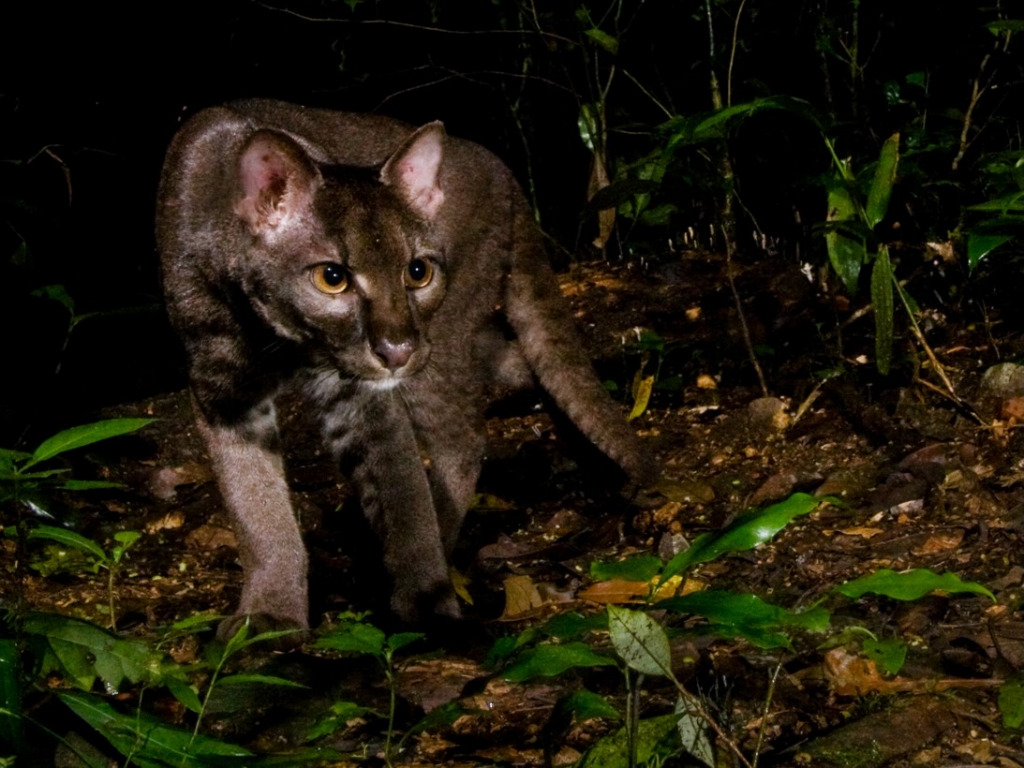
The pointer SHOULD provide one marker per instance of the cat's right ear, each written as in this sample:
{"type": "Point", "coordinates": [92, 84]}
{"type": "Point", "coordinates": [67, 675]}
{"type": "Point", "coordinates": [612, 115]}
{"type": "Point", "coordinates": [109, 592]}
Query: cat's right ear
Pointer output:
{"type": "Point", "coordinates": [278, 181]}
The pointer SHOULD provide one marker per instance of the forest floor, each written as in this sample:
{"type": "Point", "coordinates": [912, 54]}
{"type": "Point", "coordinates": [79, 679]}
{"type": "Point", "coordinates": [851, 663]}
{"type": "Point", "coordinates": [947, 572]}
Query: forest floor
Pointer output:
{"type": "Point", "coordinates": [923, 479]}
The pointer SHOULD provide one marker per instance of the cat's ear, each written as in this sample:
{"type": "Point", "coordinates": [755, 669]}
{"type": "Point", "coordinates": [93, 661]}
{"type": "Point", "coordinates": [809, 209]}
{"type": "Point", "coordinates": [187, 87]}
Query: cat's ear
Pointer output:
{"type": "Point", "coordinates": [278, 181]}
{"type": "Point", "coordinates": [413, 170]}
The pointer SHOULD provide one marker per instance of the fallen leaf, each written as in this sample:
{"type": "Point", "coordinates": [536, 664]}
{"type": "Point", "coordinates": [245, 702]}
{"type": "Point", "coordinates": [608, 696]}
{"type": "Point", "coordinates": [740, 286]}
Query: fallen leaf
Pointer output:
{"type": "Point", "coordinates": [169, 522]}
{"type": "Point", "coordinates": [521, 597]}
{"type": "Point", "coordinates": [941, 542]}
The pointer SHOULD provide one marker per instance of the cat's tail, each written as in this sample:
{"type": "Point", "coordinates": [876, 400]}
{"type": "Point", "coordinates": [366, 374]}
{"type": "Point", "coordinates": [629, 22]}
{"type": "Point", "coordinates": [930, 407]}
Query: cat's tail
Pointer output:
{"type": "Point", "coordinates": [541, 319]}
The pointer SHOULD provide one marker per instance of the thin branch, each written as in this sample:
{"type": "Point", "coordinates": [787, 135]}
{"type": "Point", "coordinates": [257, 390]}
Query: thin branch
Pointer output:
{"type": "Point", "coordinates": [732, 54]}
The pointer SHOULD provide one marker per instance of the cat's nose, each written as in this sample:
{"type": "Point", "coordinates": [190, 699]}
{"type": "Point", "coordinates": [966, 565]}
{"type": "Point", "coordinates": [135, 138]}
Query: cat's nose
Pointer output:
{"type": "Point", "coordinates": [393, 354]}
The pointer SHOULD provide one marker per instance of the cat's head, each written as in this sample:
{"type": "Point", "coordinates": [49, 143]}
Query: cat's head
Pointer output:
{"type": "Point", "coordinates": [341, 260]}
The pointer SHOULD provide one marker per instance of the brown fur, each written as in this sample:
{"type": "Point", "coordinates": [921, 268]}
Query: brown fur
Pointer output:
{"type": "Point", "coordinates": [387, 268]}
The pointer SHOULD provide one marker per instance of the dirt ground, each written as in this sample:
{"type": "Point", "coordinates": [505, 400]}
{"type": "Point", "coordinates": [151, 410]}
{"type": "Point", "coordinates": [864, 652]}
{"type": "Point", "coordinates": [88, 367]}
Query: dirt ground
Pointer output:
{"type": "Point", "coordinates": [928, 477]}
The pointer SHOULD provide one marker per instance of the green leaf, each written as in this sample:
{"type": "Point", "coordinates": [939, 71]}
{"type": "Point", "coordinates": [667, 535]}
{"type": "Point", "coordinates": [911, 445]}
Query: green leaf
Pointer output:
{"type": "Point", "coordinates": [85, 434]}
{"type": "Point", "coordinates": [748, 616]}
{"type": "Point", "coordinates": [57, 293]}
{"type": "Point", "coordinates": [696, 129]}
{"type": "Point", "coordinates": [640, 641]}
{"type": "Point", "coordinates": [400, 640]}
{"type": "Point", "coordinates": [573, 625]}
{"type": "Point", "coordinates": [586, 705]}
{"type": "Point", "coordinates": [910, 585]}
{"type": "Point", "coordinates": [254, 679]}
{"type": "Point", "coordinates": [882, 302]}
{"type": "Point", "coordinates": [89, 485]}
{"type": "Point", "coordinates": [881, 184]}
{"type": "Point", "coordinates": [693, 734]}
{"type": "Point", "coordinates": [69, 539]}
{"type": "Point", "coordinates": [146, 739]}
{"type": "Point", "coordinates": [847, 251]}
{"type": "Point", "coordinates": [657, 739]}
{"type": "Point", "coordinates": [551, 660]}
{"type": "Point", "coordinates": [749, 531]}
{"type": "Point", "coordinates": [635, 568]}
{"type": "Point", "coordinates": [353, 637]}
{"type": "Point", "coordinates": [341, 713]}
{"type": "Point", "coordinates": [980, 246]}
{"type": "Point", "coordinates": [603, 39]}
{"type": "Point", "coordinates": [1011, 703]}
{"type": "Point", "coordinates": [184, 693]}
{"type": "Point", "coordinates": [83, 652]}
{"type": "Point", "coordinates": [889, 654]}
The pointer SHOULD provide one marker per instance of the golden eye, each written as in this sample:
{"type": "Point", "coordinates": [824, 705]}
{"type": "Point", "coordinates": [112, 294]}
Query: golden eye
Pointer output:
{"type": "Point", "coordinates": [419, 273]}
{"type": "Point", "coordinates": [331, 279]}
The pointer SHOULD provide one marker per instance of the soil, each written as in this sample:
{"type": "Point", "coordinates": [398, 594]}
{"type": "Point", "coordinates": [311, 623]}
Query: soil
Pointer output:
{"type": "Point", "coordinates": [920, 475]}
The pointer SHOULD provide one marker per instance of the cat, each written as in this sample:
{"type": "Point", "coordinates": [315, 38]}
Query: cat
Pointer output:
{"type": "Point", "coordinates": [398, 274]}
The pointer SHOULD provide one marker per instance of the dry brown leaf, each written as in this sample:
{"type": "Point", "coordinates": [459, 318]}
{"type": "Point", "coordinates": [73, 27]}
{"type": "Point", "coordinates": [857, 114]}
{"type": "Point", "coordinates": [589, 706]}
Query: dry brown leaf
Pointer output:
{"type": "Point", "coordinates": [865, 532]}
{"type": "Point", "coordinates": [521, 597]}
{"type": "Point", "coordinates": [941, 542]}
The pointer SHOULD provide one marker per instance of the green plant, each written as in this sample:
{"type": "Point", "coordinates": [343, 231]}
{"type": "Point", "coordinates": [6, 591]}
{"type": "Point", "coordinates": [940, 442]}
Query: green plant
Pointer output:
{"type": "Point", "coordinates": [80, 654]}
{"type": "Point", "coordinates": [99, 558]}
{"type": "Point", "coordinates": [351, 635]}
{"type": "Point", "coordinates": [852, 243]}
{"type": "Point", "coordinates": [576, 642]}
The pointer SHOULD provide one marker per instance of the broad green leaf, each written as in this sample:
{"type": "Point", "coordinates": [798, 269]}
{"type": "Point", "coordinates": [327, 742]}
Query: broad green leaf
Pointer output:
{"type": "Point", "coordinates": [603, 39]}
{"type": "Point", "coordinates": [149, 741]}
{"type": "Point", "coordinates": [889, 654]}
{"type": "Point", "coordinates": [1011, 703]}
{"type": "Point", "coordinates": [1011, 202]}
{"type": "Point", "coordinates": [748, 616]}
{"type": "Point", "coordinates": [402, 639]}
{"type": "Point", "coordinates": [353, 637]}
{"type": "Point", "coordinates": [551, 660]}
{"type": "Point", "coordinates": [85, 434]}
{"type": "Point", "coordinates": [83, 652]}
{"type": "Point", "coordinates": [980, 246]}
{"type": "Point", "coordinates": [910, 585]}
{"type": "Point", "coordinates": [640, 641]}
{"type": "Point", "coordinates": [69, 539]}
{"type": "Point", "coordinates": [573, 625]}
{"type": "Point", "coordinates": [586, 705]}
{"type": "Point", "coordinates": [635, 568]}
{"type": "Point", "coordinates": [881, 184]}
{"type": "Point", "coordinates": [882, 302]}
{"type": "Point", "coordinates": [184, 693]}
{"type": "Point", "coordinates": [693, 734]}
{"type": "Point", "coordinates": [749, 531]}
{"type": "Point", "coordinates": [847, 251]}
{"type": "Point", "coordinates": [657, 739]}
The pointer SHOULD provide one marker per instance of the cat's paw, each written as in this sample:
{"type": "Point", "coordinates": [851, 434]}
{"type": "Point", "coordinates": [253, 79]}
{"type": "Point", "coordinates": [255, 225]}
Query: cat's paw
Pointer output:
{"type": "Point", "coordinates": [414, 605]}
{"type": "Point", "coordinates": [281, 634]}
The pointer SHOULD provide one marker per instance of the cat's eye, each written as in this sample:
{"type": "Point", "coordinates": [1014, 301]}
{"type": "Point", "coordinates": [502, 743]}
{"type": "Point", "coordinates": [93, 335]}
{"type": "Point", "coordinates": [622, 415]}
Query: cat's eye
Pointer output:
{"type": "Point", "coordinates": [419, 273]}
{"type": "Point", "coordinates": [329, 278]}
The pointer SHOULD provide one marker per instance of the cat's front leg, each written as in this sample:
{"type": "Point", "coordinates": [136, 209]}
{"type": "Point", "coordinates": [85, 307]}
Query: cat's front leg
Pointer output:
{"type": "Point", "coordinates": [372, 436]}
{"type": "Point", "coordinates": [250, 472]}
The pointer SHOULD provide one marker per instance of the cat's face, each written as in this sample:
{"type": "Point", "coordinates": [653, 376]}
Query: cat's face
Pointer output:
{"type": "Point", "coordinates": [339, 263]}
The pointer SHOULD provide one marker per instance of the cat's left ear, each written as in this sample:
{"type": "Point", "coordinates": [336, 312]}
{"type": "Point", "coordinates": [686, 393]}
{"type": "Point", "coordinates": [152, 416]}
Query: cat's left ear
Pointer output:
{"type": "Point", "coordinates": [413, 170]}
